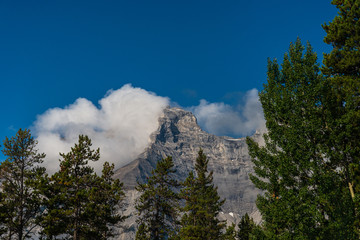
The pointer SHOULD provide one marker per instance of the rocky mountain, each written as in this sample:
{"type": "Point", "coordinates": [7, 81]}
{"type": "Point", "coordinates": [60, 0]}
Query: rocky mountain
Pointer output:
{"type": "Point", "coordinates": [180, 136]}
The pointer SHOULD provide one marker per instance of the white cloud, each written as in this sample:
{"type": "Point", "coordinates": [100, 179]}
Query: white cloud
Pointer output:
{"type": "Point", "coordinates": [223, 119]}
{"type": "Point", "coordinates": [121, 126]}
{"type": "Point", "coordinates": [125, 118]}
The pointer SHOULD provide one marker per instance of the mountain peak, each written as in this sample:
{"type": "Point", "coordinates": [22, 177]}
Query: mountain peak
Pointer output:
{"type": "Point", "coordinates": [175, 122]}
{"type": "Point", "coordinates": [180, 137]}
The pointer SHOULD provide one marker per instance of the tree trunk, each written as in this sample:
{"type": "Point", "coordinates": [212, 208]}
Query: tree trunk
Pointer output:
{"type": "Point", "coordinates": [21, 212]}
{"type": "Point", "coordinates": [351, 191]}
{"type": "Point", "coordinates": [75, 235]}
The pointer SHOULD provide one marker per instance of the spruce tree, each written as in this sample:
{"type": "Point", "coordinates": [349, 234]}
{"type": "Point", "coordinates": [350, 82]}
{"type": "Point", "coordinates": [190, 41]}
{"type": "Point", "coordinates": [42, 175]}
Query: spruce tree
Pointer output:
{"type": "Point", "coordinates": [20, 202]}
{"type": "Point", "coordinates": [303, 196]}
{"type": "Point", "coordinates": [158, 204]}
{"type": "Point", "coordinates": [342, 67]}
{"type": "Point", "coordinates": [246, 226]}
{"type": "Point", "coordinates": [343, 33]}
{"type": "Point", "coordinates": [202, 204]}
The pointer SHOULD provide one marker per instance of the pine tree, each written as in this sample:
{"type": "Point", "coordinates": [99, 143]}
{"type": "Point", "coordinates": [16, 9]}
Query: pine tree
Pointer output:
{"type": "Point", "coordinates": [202, 204]}
{"type": "Point", "coordinates": [19, 173]}
{"type": "Point", "coordinates": [342, 67]}
{"type": "Point", "coordinates": [246, 226]}
{"type": "Point", "coordinates": [158, 204]}
{"type": "Point", "coordinates": [80, 204]}
{"type": "Point", "coordinates": [70, 191]}
{"type": "Point", "coordinates": [303, 196]}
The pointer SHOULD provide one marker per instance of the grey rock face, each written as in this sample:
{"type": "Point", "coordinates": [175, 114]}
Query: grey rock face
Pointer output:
{"type": "Point", "coordinates": [180, 136]}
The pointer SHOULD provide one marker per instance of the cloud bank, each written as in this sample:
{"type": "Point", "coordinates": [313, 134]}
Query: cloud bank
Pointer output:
{"type": "Point", "coordinates": [124, 119]}
{"type": "Point", "coordinates": [225, 120]}
{"type": "Point", "coordinates": [120, 126]}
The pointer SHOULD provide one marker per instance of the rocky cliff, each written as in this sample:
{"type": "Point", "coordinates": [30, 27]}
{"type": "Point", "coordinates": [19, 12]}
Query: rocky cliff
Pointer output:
{"type": "Point", "coordinates": [180, 136]}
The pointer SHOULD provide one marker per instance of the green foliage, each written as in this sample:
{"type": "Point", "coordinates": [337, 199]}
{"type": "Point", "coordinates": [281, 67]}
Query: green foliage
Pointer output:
{"type": "Point", "coordinates": [230, 233]}
{"type": "Point", "coordinates": [2, 214]}
{"type": "Point", "coordinates": [342, 66]}
{"type": "Point", "coordinates": [309, 167]}
{"type": "Point", "coordinates": [105, 199]}
{"type": "Point", "coordinates": [343, 33]}
{"type": "Point", "coordinates": [303, 195]}
{"type": "Point", "coordinates": [79, 203]}
{"type": "Point", "coordinates": [142, 232]}
{"type": "Point", "coordinates": [158, 203]}
{"type": "Point", "coordinates": [202, 204]}
{"type": "Point", "coordinates": [246, 226]}
{"type": "Point", "coordinates": [19, 174]}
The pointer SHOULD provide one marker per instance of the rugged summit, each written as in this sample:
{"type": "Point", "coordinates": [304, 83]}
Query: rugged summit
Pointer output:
{"type": "Point", "coordinates": [179, 136]}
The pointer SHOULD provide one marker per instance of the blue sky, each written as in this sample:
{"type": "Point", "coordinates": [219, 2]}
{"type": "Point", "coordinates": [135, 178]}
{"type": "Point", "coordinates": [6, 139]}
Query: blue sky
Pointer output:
{"type": "Point", "coordinates": [53, 52]}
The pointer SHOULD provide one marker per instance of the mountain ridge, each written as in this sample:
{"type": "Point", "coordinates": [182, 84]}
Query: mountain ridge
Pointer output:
{"type": "Point", "coordinates": [180, 137]}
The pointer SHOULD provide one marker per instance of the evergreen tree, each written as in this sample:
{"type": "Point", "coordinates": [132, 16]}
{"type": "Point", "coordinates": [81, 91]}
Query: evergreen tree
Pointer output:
{"type": "Point", "coordinates": [230, 233]}
{"type": "Point", "coordinates": [105, 203]}
{"type": "Point", "coordinates": [303, 196]}
{"type": "Point", "coordinates": [80, 204]}
{"type": "Point", "coordinates": [343, 33]}
{"type": "Point", "coordinates": [69, 192]}
{"type": "Point", "coordinates": [142, 232]}
{"type": "Point", "coordinates": [246, 226]}
{"type": "Point", "coordinates": [53, 221]}
{"type": "Point", "coordinates": [19, 173]}
{"type": "Point", "coordinates": [158, 203]}
{"type": "Point", "coordinates": [342, 67]}
{"type": "Point", "coordinates": [2, 214]}
{"type": "Point", "coordinates": [202, 204]}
